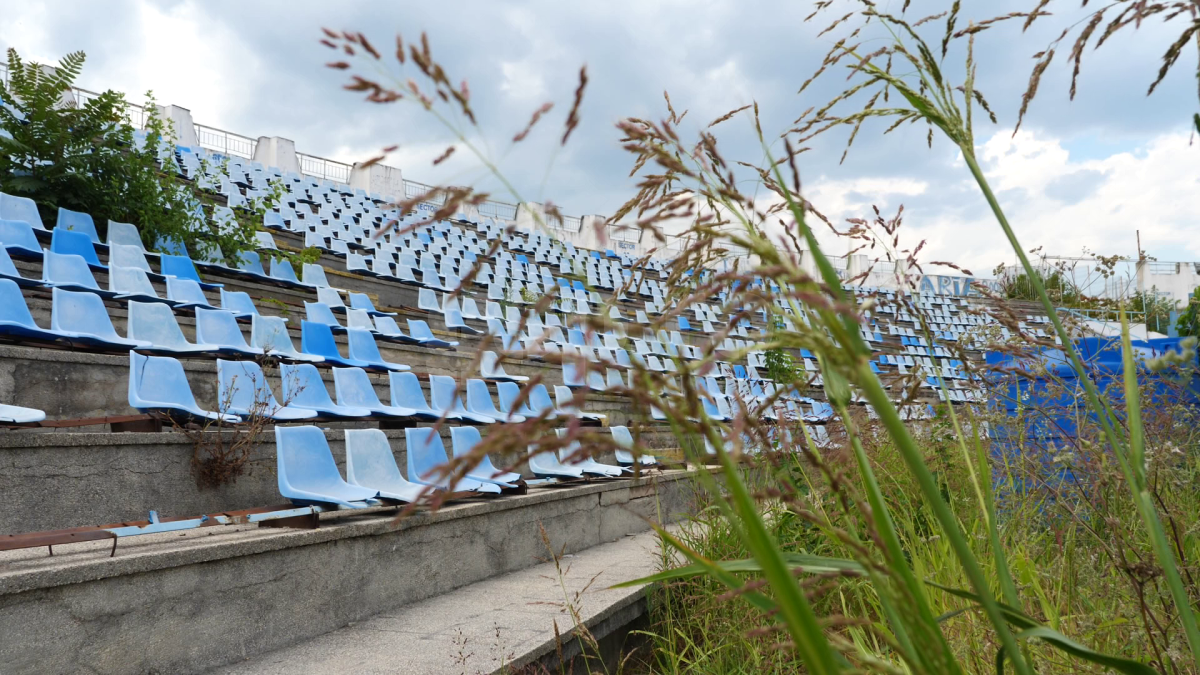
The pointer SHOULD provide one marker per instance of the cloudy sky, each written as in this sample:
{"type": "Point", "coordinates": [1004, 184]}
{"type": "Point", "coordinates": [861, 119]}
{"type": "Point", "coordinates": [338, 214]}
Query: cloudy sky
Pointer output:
{"type": "Point", "coordinates": [1082, 174]}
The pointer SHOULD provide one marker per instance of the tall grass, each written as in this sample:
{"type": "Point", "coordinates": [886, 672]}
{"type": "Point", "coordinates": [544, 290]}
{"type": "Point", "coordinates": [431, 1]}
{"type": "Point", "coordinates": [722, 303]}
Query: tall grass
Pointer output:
{"type": "Point", "coordinates": [903, 547]}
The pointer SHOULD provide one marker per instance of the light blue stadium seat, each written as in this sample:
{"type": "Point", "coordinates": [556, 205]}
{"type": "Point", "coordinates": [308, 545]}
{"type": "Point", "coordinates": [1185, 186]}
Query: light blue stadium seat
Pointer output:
{"type": "Point", "coordinates": [249, 264]}
{"type": "Point", "coordinates": [304, 388]}
{"type": "Point", "coordinates": [9, 271]}
{"type": "Point", "coordinates": [19, 239]}
{"type": "Point", "coordinates": [155, 323]}
{"type": "Point", "coordinates": [427, 457]}
{"type": "Point", "coordinates": [270, 334]}
{"type": "Point", "coordinates": [182, 267]}
{"type": "Point", "coordinates": [491, 369]}
{"type": "Point", "coordinates": [427, 300]}
{"type": "Point", "coordinates": [21, 209]}
{"type": "Point", "coordinates": [479, 401]}
{"type": "Point", "coordinates": [331, 297]}
{"type": "Point", "coordinates": [362, 301]}
{"type": "Point", "coordinates": [444, 398]}
{"type": "Point", "coordinates": [17, 415]}
{"type": "Point", "coordinates": [82, 318]}
{"type": "Point", "coordinates": [282, 272]}
{"type": "Point", "coordinates": [308, 474]}
{"type": "Point", "coordinates": [455, 322]}
{"type": "Point", "coordinates": [507, 394]}
{"type": "Point", "coordinates": [170, 246]}
{"type": "Point", "coordinates": [186, 293]}
{"type": "Point", "coordinates": [465, 439]}
{"type": "Point", "coordinates": [540, 403]}
{"type": "Point", "coordinates": [317, 339]}
{"type": "Point", "coordinates": [122, 255]}
{"type": "Point", "coordinates": [75, 221]}
{"type": "Point", "coordinates": [420, 331]}
{"type": "Point", "coordinates": [588, 465]}
{"type": "Point", "coordinates": [125, 234]}
{"type": "Point", "coordinates": [359, 318]}
{"type": "Point", "coordinates": [15, 319]}
{"type": "Point", "coordinates": [545, 464]}
{"type": "Point", "coordinates": [70, 272]}
{"type": "Point", "coordinates": [623, 438]}
{"type": "Point", "coordinates": [131, 283]}
{"type": "Point", "coordinates": [314, 275]}
{"type": "Point", "coordinates": [219, 329]}
{"type": "Point", "coordinates": [407, 393]}
{"type": "Point", "coordinates": [371, 464]}
{"type": "Point", "coordinates": [243, 390]}
{"type": "Point", "coordinates": [354, 389]}
{"type": "Point", "coordinates": [564, 400]}
{"type": "Point", "coordinates": [239, 303]}
{"type": "Point", "coordinates": [158, 384]}
{"type": "Point", "coordinates": [386, 328]}
{"type": "Point", "coordinates": [361, 346]}
{"type": "Point", "coordinates": [319, 312]}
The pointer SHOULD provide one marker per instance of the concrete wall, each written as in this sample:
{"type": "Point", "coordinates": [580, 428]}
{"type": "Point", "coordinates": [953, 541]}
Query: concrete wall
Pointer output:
{"type": "Point", "coordinates": [385, 181]}
{"type": "Point", "coordinates": [277, 152]}
{"type": "Point", "coordinates": [1175, 281]}
{"type": "Point", "coordinates": [188, 603]}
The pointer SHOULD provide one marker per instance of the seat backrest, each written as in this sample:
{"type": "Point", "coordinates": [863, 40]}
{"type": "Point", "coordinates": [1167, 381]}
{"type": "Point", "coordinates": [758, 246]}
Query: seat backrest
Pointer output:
{"type": "Point", "coordinates": [124, 255]}
{"type": "Point", "coordinates": [282, 269]}
{"type": "Point", "coordinates": [178, 266]}
{"type": "Point", "coordinates": [159, 379]}
{"type": "Point", "coordinates": [319, 312]}
{"type": "Point", "coordinates": [155, 323]}
{"type": "Point", "coordinates": [419, 329]}
{"type": "Point", "coordinates": [426, 453]}
{"type": "Point", "coordinates": [270, 333]}
{"type": "Point", "coordinates": [463, 440]}
{"type": "Point", "coordinates": [361, 345]}
{"type": "Point", "coordinates": [130, 281]}
{"type": "Point", "coordinates": [353, 388]}
{"type": "Point", "coordinates": [361, 301]}
{"type": "Point", "coordinates": [242, 387]}
{"type": "Point", "coordinates": [185, 290]}
{"type": "Point", "coordinates": [443, 394]}
{"type": "Point", "coordinates": [17, 233]}
{"type": "Point", "coordinates": [314, 275]}
{"type": "Point", "coordinates": [304, 460]}
{"type": "Point", "coordinates": [539, 399]}
{"type": "Point", "coordinates": [406, 391]}
{"type": "Point", "coordinates": [22, 209]}
{"type": "Point", "coordinates": [359, 318]}
{"type": "Point", "coordinates": [80, 312]}
{"type": "Point", "coordinates": [218, 327]}
{"type": "Point", "coordinates": [369, 459]}
{"type": "Point", "coordinates": [237, 301]}
{"type": "Point", "coordinates": [329, 296]}
{"type": "Point", "coordinates": [13, 308]}
{"type": "Point", "coordinates": [317, 338]}
{"type": "Point", "coordinates": [479, 399]}
{"type": "Point", "coordinates": [303, 386]}
{"type": "Point", "coordinates": [250, 261]}
{"type": "Point", "coordinates": [58, 268]}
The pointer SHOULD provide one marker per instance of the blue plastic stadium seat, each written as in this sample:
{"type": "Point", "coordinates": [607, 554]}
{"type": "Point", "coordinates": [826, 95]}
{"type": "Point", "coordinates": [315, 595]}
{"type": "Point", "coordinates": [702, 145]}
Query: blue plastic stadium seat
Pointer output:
{"type": "Point", "coordinates": [158, 384]}
{"type": "Point", "coordinates": [131, 283]}
{"type": "Point", "coordinates": [444, 398]}
{"type": "Point", "coordinates": [490, 368]}
{"type": "Point", "coordinates": [462, 441]}
{"type": "Point", "coordinates": [17, 415]}
{"type": "Point", "coordinates": [21, 209]}
{"type": "Point", "coordinates": [155, 323]}
{"type": "Point", "coordinates": [455, 322]}
{"type": "Point", "coordinates": [623, 438]}
{"type": "Point", "coordinates": [124, 234]}
{"type": "Point", "coordinates": [427, 458]}
{"type": "Point", "coordinates": [386, 328]}
{"type": "Point", "coordinates": [314, 275]}
{"type": "Point", "coordinates": [304, 388]}
{"type": "Point", "coordinates": [361, 346]}
{"type": "Point", "coordinates": [243, 390]}
{"type": "Point", "coordinates": [186, 293]}
{"type": "Point", "coordinates": [308, 474]}
{"type": "Point", "coordinates": [362, 301]}
{"type": "Point", "coordinates": [540, 403]}
{"type": "Point", "coordinates": [319, 312]}
{"type": "Point", "coordinates": [317, 339]}
{"type": "Point", "coordinates": [75, 221]}
{"type": "Point", "coordinates": [420, 331]}
{"type": "Point", "coordinates": [270, 334]}
{"type": "Point", "coordinates": [9, 271]}
{"type": "Point", "coordinates": [282, 273]}
{"type": "Point", "coordinates": [331, 298]}
{"type": "Point", "coordinates": [479, 401]}
{"type": "Point", "coordinates": [219, 329]}
{"type": "Point", "coordinates": [170, 246]}
{"type": "Point", "coordinates": [406, 393]}
{"type": "Point", "coordinates": [15, 319]}
{"type": "Point", "coordinates": [122, 255]}
{"type": "Point", "coordinates": [371, 464]}
{"type": "Point", "coordinates": [564, 399]}
{"type": "Point", "coordinates": [19, 239]}
{"type": "Point", "coordinates": [82, 319]}
{"type": "Point", "coordinates": [508, 393]}
{"type": "Point", "coordinates": [70, 272]}
{"type": "Point", "coordinates": [354, 389]}
{"type": "Point", "coordinates": [589, 466]}
{"type": "Point", "coordinates": [182, 267]}
{"type": "Point", "coordinates": [249, 264]}
{"type": "Point", "coordinates": [545, 464]}
{"type": "Point", "coordinates": [427, 301]}
{"type": "Point", "coordinates": [239, 303]}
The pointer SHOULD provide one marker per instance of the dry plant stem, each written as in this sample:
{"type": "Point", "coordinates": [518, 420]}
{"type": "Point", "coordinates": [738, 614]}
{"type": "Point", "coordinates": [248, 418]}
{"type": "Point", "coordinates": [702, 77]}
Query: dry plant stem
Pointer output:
{"type": "Point", "coordinates": [1135, 471]}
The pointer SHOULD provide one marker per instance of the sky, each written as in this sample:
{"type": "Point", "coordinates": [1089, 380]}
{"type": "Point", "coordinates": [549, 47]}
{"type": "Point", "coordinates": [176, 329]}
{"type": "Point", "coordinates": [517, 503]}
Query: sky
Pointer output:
{"type": "Point", "coordinates": [1083, 175]}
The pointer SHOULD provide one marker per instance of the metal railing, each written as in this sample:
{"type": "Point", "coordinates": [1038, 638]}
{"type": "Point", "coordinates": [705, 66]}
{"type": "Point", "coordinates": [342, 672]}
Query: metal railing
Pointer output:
{"type": "Point", "coordinates": [225, 142]}
{"type": "Point", "coordinates": [326, 169]}
{"type": "Point", "coordinates": [567, 224]}
{"type": "Point", "coordinates": [499, 210]}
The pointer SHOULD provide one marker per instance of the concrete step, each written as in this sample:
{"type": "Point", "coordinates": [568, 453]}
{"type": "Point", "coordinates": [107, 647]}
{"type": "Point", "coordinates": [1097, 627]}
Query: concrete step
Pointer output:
{"type": "Point", "coordinates": [508, 621]}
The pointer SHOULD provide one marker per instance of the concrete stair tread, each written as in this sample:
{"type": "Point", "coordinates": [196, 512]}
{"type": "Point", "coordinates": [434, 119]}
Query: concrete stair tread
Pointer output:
{"type": "Point", "coordinates": [507, 620]}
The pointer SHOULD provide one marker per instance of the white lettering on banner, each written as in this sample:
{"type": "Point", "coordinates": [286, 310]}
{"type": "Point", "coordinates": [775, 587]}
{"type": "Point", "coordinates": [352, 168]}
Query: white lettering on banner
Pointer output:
{"type": "Point", "coordinates": [963, 287]}
{"type": "Point", "coordinates": [626, 244]}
